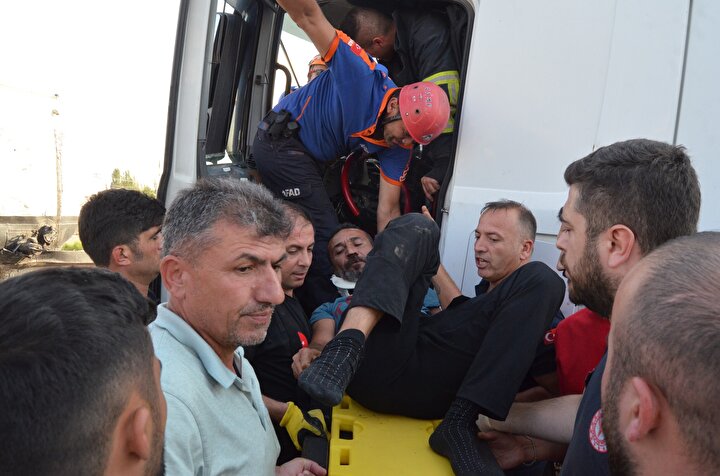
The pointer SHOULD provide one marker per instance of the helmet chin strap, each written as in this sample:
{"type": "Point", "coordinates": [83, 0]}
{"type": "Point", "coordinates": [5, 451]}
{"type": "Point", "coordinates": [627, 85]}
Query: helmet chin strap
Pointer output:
{"type": "Point", "coordinates": [388, 119]}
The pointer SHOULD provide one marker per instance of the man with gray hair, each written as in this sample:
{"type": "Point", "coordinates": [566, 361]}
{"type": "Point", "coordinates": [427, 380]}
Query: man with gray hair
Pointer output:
{"type": "Point", "coordinates": [224, 242]}
{"type": "Point", "coordinates": [661, 377]}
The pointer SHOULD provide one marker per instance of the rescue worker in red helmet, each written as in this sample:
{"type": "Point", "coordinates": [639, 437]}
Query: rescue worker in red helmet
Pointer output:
{"type": "Point", "coordinates": [415, 44]}
{"type": "Point", "coordinates": [354, 104]}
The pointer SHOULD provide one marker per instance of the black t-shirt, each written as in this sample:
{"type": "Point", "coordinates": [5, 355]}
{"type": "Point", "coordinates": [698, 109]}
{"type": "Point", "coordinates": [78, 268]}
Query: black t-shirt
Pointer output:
{"type": "Point", "coordinates": [517, 314]}
{"type": "Point", "coordinates": [587, 453]}
{"type": "Point", "coordinates": [272, 359]}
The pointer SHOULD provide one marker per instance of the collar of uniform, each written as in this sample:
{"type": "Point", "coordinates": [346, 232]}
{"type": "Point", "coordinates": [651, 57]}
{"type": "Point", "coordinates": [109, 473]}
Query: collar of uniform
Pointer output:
{"type": "Point", "coordinates": [481, 287]}
{"type": "Point", "coordinates": [366, 135]}
{"type": "Point", "coordinates": [187, 336]}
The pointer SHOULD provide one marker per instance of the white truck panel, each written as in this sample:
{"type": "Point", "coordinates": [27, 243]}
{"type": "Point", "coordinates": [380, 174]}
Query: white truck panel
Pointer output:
{"type": "Point", "coordinates": [699, 124]}
{"type": "Point", "coordinates": [548, 82]}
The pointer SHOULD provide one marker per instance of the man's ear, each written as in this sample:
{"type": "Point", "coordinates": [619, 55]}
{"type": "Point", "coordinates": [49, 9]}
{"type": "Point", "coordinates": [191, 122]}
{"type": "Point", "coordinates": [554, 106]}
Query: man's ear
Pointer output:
{"type": "Point", "coordinates": [132, 443]}
{"type": "Point", "coordinates": [619, 245]}
{"type": "Point", "coordinates": [392, 107]}
{"type": "Point", "coordinates": [645, 402]}
{"type": "Point", "coordinates": [173, 272]}
{"type": "Point", "coordinates": [139, 429]}
{"type": "Point", "coordinates": [526, 250]}
{"type": "Point", "coordinates": [121, 255]}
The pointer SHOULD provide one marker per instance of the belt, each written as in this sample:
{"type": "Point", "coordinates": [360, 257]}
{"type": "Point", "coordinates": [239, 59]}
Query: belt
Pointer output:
{"type": "Point", "coordinates": [279, 125]}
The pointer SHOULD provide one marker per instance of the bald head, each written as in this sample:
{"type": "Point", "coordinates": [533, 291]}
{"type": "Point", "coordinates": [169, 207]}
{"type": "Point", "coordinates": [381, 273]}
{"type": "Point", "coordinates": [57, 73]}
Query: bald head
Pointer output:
{"type": "Point", "coordinates": [373, 30]}
{"type": "Point", "coordinates": [666, 333]}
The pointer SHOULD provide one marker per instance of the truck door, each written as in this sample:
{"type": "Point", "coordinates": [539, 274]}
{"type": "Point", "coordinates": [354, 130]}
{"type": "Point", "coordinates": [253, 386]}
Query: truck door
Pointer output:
{"type": "Point", "coordinates": [223, 78]}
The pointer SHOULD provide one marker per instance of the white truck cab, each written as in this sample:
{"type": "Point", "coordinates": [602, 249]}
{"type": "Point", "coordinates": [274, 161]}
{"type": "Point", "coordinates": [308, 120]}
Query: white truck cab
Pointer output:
{"type": "Point", "coordinates": [543, 83]}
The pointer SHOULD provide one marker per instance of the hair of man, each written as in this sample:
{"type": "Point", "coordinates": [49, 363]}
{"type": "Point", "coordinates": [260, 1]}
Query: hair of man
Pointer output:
{"type": "Point", "coordinates": [73, 345]}
{"type": "Point", "coordinates": [649, 186]}
{"type": "Point", "coordinates": [189, 222]}
{"type": "Point", "coordinates": [116, 217]}
{"type": "Point", "coordinates": [348, 226]}
{"type": "Point", "coordinates": [670, 338]}
{"type": "Point", "coordinates": [525, 217]}
{"type": "Point", "coordinates": [295, 212]}
{"type": "Point", "coordinates": [363, 24]}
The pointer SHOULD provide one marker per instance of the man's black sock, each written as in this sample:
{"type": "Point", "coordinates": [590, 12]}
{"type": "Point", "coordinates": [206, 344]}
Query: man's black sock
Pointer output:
{"type": "Point", "coordinates": [328, 376]}
{"type": "Point", "coordinates": [456, 439]}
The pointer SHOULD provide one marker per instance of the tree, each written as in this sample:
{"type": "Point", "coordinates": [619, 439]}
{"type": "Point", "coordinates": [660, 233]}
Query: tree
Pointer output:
{"type": "Point", "coordinates": [126, 180]}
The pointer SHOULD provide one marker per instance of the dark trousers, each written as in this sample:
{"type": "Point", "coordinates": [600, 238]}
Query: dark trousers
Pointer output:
{"type": "Point", "coordinates": [479, 349]}
{"type": "Point", "coordinates": [288, 170]}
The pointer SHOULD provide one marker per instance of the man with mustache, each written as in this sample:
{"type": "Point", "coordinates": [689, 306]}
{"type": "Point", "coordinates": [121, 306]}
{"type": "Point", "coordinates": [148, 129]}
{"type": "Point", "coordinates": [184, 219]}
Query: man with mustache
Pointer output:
{"type": "Point", "coordinates": [473, 356]}
{"type": "Point", "coordinates": [348, 248]}
{"type": "Point", "coordinates": [289, 332]}
{"type": "Point", "coordinates": [624, 200]}
{"type": "Point", "coordinates": [661, 379]}
{"type": "Point", "coordinates": [223, 248]}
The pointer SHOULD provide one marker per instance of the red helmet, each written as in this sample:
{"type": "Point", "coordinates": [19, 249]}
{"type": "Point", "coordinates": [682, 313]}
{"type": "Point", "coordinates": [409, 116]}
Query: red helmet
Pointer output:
{"type": "Point", "coordinates": [425, 111]}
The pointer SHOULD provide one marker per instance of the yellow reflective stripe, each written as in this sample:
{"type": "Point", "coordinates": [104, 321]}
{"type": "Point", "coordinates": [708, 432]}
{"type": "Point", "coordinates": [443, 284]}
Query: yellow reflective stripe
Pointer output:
{"type": "Point", "coordinates": [451, 80]}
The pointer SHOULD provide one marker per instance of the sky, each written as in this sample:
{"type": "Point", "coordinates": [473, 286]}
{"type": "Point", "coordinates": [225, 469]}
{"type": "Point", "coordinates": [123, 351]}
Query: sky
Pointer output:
{"type": "Point", "coordinates": [105, 68]}
{"type": "Point", "coordinates": [110, 69]}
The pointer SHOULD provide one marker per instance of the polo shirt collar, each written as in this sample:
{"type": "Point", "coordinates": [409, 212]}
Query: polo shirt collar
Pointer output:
{"type": "Point", "coordinates": [187, 336]}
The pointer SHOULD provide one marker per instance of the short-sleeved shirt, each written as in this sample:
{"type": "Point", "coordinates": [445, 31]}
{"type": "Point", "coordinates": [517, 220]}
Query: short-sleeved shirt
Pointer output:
{"type": "Point", "coordinates": [587, 453]}
{"type": "Point", "coordinates": [580, 342]}
{"type": "Point", "coordinates": [339, 110]}
{"type": "Point", "coordinates": [216, 420]}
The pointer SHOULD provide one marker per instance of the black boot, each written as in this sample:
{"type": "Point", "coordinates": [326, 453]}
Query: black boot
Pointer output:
{"type": "Point", "coordinates": [456, 439]}
{"type": "Point", "coordinates": [328, 376]}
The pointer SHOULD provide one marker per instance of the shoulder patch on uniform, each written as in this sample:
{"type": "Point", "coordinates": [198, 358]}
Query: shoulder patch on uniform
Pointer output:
{"type": "Point", "coordinates": [595, 433]}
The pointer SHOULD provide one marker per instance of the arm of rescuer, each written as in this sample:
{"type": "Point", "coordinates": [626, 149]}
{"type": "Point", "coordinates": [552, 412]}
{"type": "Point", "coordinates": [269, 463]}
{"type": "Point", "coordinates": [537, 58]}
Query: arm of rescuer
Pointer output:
{"type": "Point", "coordinates": [537, 431]}
{"type": "Point", "coordinates": [297, 422]}
{"type": "Point", "coordinates": [552, 419]}
{"type": "Point", "coordinates": [308, 16]}
{"type": "Point", "coordinates": [388, 203]}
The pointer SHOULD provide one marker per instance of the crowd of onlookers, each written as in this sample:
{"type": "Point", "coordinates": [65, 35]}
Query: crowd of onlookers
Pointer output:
{"type": "Point", "coordinates": [96, 378]}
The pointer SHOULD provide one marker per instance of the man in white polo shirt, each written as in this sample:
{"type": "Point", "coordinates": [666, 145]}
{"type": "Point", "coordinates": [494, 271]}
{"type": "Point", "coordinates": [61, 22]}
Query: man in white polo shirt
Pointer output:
{"type": "Point", "coordinates": [224, 242]}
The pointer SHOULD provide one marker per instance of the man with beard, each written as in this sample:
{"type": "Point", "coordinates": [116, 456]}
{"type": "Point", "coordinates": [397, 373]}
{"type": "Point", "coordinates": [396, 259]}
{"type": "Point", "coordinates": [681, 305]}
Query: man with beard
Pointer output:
{"type": "Point", "coordinates": [224, 245]}
{"type": "Point", "coordinates": [348, 248]}
{"type": "Point", "coordinates": [289, 332]}
{"type": "Point", "coordinates": [625, 200]}
{"type": "Point", "coordinates": [471, 357]}
{"type": "Point", "coordinates": [661, 380]}
{"type": "Point", "coordinates": [79, 383]}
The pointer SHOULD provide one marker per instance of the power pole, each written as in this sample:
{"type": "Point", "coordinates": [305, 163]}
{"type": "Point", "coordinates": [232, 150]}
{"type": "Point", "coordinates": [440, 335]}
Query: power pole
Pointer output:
{"type": "Point", "coordinates": [57, 131]}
